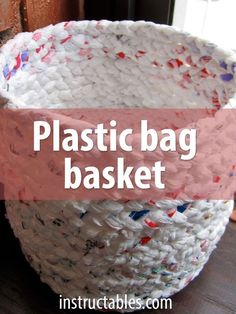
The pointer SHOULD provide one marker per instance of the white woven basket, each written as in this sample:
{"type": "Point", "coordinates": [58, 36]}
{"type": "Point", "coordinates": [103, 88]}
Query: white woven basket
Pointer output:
{"type": "Point", "coordinates": [97, 248]}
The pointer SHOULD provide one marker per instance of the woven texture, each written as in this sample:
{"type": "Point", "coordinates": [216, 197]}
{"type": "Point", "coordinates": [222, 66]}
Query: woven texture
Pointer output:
{"type": "Point", "coordinates": [91, 249]}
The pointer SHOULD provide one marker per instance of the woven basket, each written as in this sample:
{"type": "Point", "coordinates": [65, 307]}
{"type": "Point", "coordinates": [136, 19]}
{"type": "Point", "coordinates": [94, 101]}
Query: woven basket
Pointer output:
{"type": "Point", "coordinates": [97, 248]}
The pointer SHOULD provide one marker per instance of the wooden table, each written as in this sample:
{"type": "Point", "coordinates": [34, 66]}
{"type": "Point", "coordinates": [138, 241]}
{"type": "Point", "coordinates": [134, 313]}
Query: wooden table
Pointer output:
{"type": "Point", "coordinates": [21, 292]}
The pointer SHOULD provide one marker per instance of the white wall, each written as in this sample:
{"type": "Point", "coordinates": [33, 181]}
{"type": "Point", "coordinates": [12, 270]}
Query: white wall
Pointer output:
{"type": "Point", "coordinates": [212, 19]}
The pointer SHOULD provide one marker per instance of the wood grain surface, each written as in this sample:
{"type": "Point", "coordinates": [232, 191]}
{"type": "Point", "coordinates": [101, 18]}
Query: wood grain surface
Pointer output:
{"type": "Point", "coordinates": [6, 14]}
{"type": "Point", "coordinates": [21, 292]}
{"type": "Point", "coordinates": [38, 14]}
{"type": "Point", "coordinates": [10, 19]}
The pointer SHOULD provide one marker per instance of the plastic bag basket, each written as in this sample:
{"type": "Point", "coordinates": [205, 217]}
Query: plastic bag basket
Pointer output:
{"type": "Point", "coordinates": [97, 248]}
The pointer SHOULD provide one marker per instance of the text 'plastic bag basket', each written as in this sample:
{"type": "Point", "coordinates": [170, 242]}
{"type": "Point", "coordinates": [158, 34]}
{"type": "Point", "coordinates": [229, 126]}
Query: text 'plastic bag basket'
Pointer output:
{"type": "Point", "coordinates": [97, 248]}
